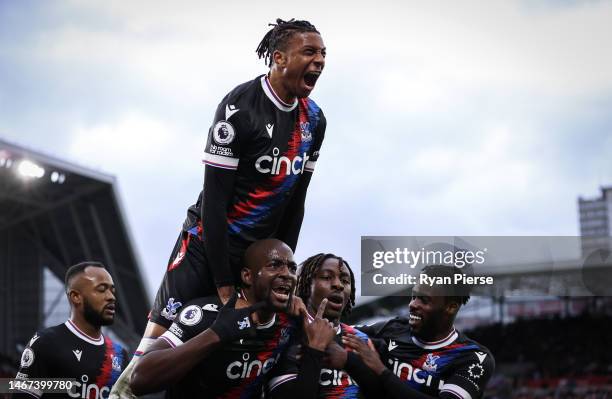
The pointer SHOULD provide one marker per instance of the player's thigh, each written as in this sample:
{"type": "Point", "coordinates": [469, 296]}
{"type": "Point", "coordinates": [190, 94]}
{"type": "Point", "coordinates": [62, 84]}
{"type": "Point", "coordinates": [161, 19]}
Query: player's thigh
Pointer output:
{"type": "Point", "coordinates": [187, 277]}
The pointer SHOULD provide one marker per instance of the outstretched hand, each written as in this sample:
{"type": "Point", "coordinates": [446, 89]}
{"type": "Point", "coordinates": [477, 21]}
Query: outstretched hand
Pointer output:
{"type": "Point", "coordinates": [320, 332]}
{"type": "Point", "coordinates": [233, 324]}
{"type": "Point", "coordinates": [367, 352]}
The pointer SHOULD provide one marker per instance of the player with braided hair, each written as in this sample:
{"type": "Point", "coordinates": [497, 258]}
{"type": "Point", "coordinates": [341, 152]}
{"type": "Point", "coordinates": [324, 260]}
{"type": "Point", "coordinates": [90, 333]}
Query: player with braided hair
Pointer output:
{"type": "Point", "coordinates": [278, 36]}
{"type": "Point", "coordinates": [309, 272]}
{"type": "Point", "coordinates": [261, 151]}
{"type": "Point", "coordinates": [304, 372]}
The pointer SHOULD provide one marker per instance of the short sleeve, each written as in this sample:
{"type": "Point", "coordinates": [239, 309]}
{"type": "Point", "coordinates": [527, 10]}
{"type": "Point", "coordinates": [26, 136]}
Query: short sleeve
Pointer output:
{"type": "Point", "coordinates": [470, 379]}
{"type": "Point", "coordinates": [34, 363]}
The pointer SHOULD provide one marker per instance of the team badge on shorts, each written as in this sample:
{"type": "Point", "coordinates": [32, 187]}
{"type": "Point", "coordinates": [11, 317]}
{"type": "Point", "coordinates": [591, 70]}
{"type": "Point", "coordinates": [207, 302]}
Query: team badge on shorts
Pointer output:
{"type": "Point", "coordinates": [223, 133]}
{"type": "Point", "coordinates": [169, 311]}
{"type": "Point", "coordinates": [191, 315]}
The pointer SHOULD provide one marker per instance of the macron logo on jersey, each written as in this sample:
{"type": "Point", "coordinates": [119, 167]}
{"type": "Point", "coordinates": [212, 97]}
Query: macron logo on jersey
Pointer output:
{"type": "Point", "coordinates": [230, 110]}
{"type": "Point", "coordinates": [78, 354]}
{"type": "Point", "coordinates": [392, 345]}
{"type": "Point", "coordinates": [269, 129]}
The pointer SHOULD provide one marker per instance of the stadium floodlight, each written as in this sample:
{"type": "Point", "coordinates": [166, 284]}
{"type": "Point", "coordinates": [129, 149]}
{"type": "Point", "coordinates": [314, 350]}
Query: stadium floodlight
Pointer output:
{"type": "Point", "coordinates": [28, 169]}
{"type": "Point", "coordinates": [57, 177]}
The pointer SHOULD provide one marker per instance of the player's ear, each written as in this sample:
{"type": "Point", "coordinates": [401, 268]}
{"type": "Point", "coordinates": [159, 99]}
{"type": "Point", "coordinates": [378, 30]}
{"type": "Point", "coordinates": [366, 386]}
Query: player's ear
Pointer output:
{"type": "Point", "coordinates": [75, 297]}
{"type": "Point", "coordinates": [279, 58]}
{"type": "Point", "coordinates": [247, 276]}
{"type": "Point", "coordinates": [452, 307]}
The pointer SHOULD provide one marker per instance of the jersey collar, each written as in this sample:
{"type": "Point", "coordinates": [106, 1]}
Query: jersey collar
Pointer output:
{"type": "Point", "coordinates": [77, 331]}
{"type": "Point", "coordinates": [267, 324]}
{"type": "Point", "coordinates": [450, 338]}
{"type": "Point", "coordinates": [280, 104]}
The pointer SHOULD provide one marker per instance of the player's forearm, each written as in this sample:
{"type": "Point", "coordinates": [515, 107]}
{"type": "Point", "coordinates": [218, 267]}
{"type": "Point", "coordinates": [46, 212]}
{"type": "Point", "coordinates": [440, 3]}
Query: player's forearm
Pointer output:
{"type": "Point", "coordinates": [397, 389]}
{"type": "Point", "coordinates": [161, 368]}
{"type": "Point", "coordinates": [218, 184]}
{"type": "Point", "coordinates": [291, 224]}
{"type": "Point", "coordinates": [306, 384]}
{"type": "Point", "coordinates": [292, 229]}
{"type": "Point", "coordinates": [369, 383]}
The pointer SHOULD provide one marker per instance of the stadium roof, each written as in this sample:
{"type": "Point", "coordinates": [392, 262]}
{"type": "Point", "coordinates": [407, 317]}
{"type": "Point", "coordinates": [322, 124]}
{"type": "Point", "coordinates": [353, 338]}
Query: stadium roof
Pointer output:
{"type": "Point", "coordinates": [66, 213]}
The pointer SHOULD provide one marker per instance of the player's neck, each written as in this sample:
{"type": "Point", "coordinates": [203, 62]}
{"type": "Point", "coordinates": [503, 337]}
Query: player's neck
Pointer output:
{"type": "Point", "coordinates": [276, 81]}
{"type": "Point", "coordinates": [261, 316]}
{"type": "Point", "coordinates": [86, 327]}
{"type": "Point", "coordinates": [438, 335]}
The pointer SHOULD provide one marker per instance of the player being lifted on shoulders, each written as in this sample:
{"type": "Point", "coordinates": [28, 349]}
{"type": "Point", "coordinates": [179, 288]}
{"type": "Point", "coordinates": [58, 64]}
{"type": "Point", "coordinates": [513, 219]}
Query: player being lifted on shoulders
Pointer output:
{"type": "Point", "coordinates": [424, 356]}
{"type": "Point", "coordinates": [261, 152]}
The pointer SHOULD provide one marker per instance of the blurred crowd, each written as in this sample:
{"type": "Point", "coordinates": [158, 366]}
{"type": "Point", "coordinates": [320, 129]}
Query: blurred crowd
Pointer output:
{"type": "Point", "coordinates": [560, 358]}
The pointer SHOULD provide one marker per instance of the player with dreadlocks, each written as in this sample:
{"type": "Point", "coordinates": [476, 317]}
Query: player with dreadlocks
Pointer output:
{"type": "Point", "coordinates": [303, 372]}
{"type": "Point", "coordinates": [262, 148]}
{"type": "Point", "coordinates": [424, 356]}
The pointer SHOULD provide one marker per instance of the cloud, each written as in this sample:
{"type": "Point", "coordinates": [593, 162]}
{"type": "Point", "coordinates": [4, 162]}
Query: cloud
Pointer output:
{"type": "Point", "coordinates": [478, 117]}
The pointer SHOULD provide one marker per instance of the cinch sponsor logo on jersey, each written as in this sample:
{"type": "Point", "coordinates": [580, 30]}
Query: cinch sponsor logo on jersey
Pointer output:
{"type": "Point", "coordinates": [273, 164]}
{"type": "Point", "coordinates": [412, 373]}
{"type": "Point", "coordinates": [335, 377]}
{"type": "Point", "coordinates": [81, 389]}
{"type": "Point", "coordinates": [246, 369]}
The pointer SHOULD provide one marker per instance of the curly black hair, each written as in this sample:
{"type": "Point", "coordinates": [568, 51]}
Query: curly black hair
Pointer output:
{"type": "Point", "coordinates": [460, 293]}
{"type": "Point", "coordinates": [309, 268]}
{"type": "Point", "coordinates": [278, 37]}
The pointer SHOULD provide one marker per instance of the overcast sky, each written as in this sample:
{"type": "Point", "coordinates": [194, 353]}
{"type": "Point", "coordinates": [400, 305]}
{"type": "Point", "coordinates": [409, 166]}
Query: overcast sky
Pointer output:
{"type": "Point", "coordinates": [444, 117]}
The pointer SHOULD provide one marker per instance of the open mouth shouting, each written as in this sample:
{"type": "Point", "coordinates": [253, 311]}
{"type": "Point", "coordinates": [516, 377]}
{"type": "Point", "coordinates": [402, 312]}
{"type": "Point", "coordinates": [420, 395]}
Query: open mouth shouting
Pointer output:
{"type": "Point", "coordinates": [281, 293]}
{"type": "Point", "coordinates": [310, 79]}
